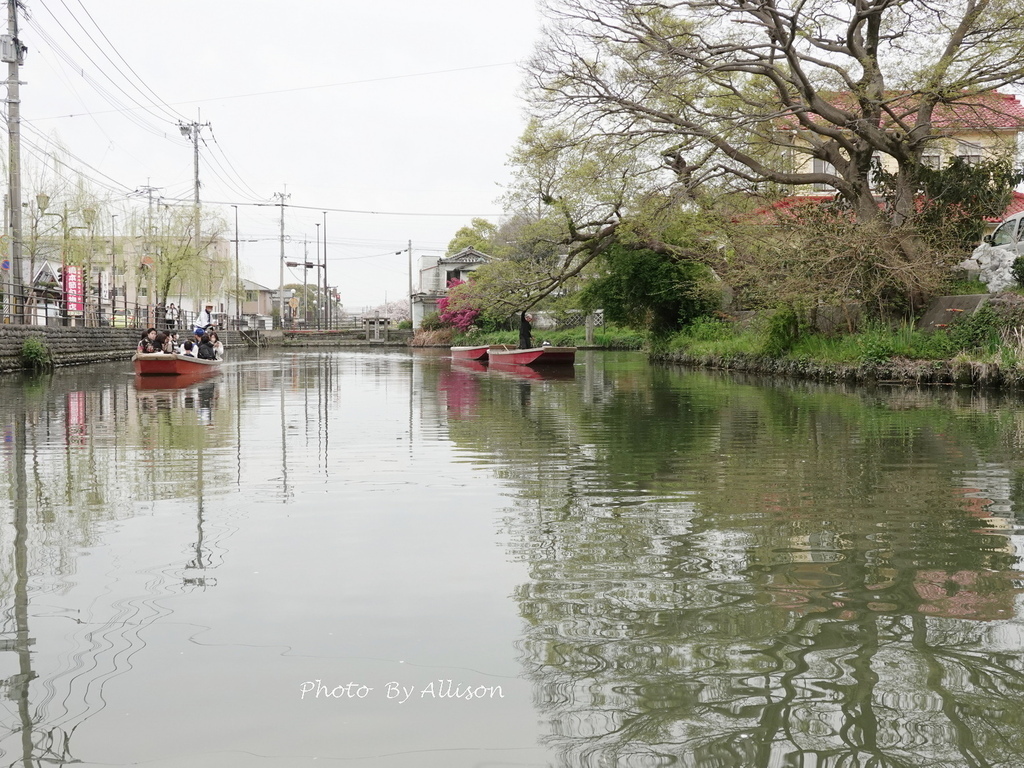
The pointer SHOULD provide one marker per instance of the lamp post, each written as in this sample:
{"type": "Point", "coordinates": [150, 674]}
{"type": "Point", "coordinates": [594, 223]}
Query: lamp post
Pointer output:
{"type": "Point", "coordinates": [89, 216]}
{"type": "Point", "coordinates": [113, 270]}
{"type": "Point", "coordinates": [43, 202]}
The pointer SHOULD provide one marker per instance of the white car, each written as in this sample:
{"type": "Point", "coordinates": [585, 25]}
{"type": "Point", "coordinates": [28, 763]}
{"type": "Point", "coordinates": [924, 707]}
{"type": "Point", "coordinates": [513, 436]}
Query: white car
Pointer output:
{"type": "Point", "coordinates": [994, 258]}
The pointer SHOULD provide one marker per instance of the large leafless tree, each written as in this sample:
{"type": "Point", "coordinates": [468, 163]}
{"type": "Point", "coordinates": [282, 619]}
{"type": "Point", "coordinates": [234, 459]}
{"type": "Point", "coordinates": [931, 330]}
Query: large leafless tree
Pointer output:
{"type": "Point", "coordinates": [723, 88]}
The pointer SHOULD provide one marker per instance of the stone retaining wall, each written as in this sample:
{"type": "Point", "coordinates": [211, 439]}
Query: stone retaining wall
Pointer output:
{"type": "Point", "coordinates": [77, 346]}
{"type": "Point", "coordinates": [897, 371]}
{"type": "Point", "coordinates": [69, 346]}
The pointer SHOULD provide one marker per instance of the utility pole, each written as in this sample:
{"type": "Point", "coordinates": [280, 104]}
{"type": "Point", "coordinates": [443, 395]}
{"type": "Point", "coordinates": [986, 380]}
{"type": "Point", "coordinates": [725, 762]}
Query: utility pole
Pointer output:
{"type": "Point", "coordinates": [191, 131]}
{"type": "Point", "coordinates": [148, 258]}
{"type": "Point", "coordinates": [282, 196]}
{"type": "Point", "coordinates": [238, 278]}
{"type": "Point", "coordinates": [319, 304]}
{"type": "Point", "coordinates": [327, 297]}
{"type": "Point", "coordinates": [14, 55]}
{"type": "Point", "coordinates": [410, 281]}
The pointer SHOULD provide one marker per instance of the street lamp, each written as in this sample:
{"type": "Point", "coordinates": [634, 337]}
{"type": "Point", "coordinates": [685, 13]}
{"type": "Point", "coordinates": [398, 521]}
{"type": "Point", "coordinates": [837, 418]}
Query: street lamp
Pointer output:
{"type": "Point", "coordinates": [89, 216]}
{"type": "Point", "coordinates": [43, 202]}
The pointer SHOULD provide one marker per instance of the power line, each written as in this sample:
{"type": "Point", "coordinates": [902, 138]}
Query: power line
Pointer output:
{"type": "Point", "coordinates": [129, 66]}
{"type": "Point", "coordinates": [309, 87]}
{"type": "Point", "coordinates": [104, 92]}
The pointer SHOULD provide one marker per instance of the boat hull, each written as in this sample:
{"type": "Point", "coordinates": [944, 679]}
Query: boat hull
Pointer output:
{"type": "Point", "coordinates": [534, 356]}
{"type": "Point", "coordinates": [470, 353]}
{"type": "Point", "coordinates": [173, 365]}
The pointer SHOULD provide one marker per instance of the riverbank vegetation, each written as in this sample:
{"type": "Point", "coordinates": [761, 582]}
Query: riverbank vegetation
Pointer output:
{"type": "Point", "coordinates": [992, 335]}
{"type": "Point", "coordinates": [689, 177]}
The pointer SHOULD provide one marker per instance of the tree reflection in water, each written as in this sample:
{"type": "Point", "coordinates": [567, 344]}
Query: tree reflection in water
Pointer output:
{"type": "Point", "coordinates": [799, 580]}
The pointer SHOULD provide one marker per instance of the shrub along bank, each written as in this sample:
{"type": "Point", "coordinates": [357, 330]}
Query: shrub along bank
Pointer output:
{"type": "Point", "coordinates": [983, 348]}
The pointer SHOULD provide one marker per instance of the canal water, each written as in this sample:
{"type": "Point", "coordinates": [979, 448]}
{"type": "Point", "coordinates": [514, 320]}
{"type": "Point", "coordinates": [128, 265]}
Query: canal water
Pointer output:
{"type": "Point", "coordinates": [393, 560]}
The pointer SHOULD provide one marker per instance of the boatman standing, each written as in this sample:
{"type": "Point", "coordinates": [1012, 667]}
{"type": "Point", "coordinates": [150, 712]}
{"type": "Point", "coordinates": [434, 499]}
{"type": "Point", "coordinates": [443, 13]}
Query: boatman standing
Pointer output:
{"type": "Point", "coordinates": [204, 319]}
{"type": "Point", "coordinates": [525, 329]}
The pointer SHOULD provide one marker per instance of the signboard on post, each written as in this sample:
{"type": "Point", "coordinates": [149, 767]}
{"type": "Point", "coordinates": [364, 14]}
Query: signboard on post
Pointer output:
{"type": "Point", "coordinates": [74, 290]}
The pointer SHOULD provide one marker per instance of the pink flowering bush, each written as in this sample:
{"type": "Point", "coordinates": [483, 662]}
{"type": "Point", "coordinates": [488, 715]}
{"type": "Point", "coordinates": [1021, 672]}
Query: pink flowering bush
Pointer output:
{"type": "Point", "coordinates": [459, 318]}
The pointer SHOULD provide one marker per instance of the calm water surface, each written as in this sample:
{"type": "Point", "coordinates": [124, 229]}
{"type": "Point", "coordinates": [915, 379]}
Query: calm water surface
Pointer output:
{"type": "Point", "coordinates": [350, 558]}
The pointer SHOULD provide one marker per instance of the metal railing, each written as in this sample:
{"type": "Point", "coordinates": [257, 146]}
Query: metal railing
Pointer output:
{"type": "Point", "coordinates": [52, 308]}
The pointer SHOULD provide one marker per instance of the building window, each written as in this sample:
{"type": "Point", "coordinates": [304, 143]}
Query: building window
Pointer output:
{"type": "Point", "coordinates": [970, 153]}
{"type": "Point", "coordinates": [932, 160]}
{"type": "Point", "coordinates": [250, 295]}
{"type": "Point", "coordinates": [822, 166]}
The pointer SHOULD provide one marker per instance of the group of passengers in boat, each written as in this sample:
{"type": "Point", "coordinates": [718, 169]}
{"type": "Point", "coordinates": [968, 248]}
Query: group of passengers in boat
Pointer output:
{"type": "Point", "coordinates": [205, 344]}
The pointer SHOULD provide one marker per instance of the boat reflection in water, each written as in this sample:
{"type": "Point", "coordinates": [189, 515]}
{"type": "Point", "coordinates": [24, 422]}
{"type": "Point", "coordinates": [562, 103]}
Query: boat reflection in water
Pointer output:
{"type": "Point", "coordinates": [539, 373]}
{"type": "Point", "coordinates": [176, 381]}
{"type": "Point", "coordinates": [191, 391]}
{"type": "Point", "coordinates": [463, 364]}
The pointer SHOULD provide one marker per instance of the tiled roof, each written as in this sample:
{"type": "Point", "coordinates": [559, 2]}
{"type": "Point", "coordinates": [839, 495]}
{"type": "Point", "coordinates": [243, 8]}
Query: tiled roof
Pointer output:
{"type": "Point", "coordinates": [1016, 206]}
{"type": "Point", "coordinates": [981, 111]}
{"type": "Point", "coordinates": [468, 255]}
{"type": "Point", "coordinates": [788, 208]}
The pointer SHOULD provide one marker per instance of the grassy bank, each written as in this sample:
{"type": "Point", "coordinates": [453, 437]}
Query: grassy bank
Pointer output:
{"type": "Point", "coordinates": [986, 347]}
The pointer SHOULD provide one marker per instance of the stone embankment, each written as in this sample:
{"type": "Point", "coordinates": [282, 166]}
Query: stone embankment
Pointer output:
{"type": "Point", "coordinates": [79, 346]}
{"type": "Point", "coordinates": [895, 371]}
{"type": "Point", "coordinates": [69, 346]}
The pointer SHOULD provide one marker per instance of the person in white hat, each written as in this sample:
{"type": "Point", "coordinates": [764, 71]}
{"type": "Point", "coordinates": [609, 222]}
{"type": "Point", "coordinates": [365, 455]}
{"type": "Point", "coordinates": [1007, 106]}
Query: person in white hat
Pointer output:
{"type": "Point", "coordinates": [204, 319]}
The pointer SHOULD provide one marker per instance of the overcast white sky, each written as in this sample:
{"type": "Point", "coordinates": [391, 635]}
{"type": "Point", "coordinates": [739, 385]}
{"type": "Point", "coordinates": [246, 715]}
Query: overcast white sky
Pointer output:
{"type": "Point", "coordinates": [392, 106]}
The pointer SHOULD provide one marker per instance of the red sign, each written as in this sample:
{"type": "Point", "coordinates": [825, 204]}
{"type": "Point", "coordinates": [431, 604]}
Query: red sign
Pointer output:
{"type": "Point", "coordinates": [74, 289]}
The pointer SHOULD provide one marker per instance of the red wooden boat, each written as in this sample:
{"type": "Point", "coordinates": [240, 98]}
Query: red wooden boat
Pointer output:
{"type": "Point", "coordinates": [470, 353]}
{"type": "Point", "coordinates": [160, 364]}
{"type": "Point", "coordinates": [533, 356]}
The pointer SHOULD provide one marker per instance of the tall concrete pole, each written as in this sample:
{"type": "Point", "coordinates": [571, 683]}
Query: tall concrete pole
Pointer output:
{"type": "Point", "coordinates": [282, 196]}
{"type": "Point", "coordinates": [191, 131]}
{"type": "Point", "coordinates": [327, 287]}
{"type": "Point", "coordinates": [15, 56]}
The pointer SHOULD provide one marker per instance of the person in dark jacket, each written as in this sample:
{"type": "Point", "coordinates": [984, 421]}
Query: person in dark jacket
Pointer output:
{"type": "Point", "coordinates": [525, 328]}
{"type": "Point", "coordinates": [206, 349]}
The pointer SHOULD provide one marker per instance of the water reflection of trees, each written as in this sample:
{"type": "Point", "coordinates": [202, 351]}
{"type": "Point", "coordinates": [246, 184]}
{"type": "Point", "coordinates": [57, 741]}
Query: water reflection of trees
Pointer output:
{"type": "Point", "coordinates": [728, 575]}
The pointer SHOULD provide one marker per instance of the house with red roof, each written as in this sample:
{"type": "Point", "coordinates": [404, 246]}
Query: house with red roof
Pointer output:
{"type": "Point", "coordinates": [978, 127]}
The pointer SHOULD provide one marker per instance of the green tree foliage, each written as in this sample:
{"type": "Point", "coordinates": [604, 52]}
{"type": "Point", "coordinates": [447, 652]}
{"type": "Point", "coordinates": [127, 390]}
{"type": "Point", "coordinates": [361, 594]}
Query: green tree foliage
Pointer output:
{"type": "Point", "coordinates": [640, 103]}
{"type": "Point", "coordinates": [643, 289]}
{"type": "Point", "coordinates": [953, 202]}
{"type": "Point", "coordinates": [480, 234]}
{"type": "Point", "coordinates": [754, 90]}
{"type": "Point", "coordinates": [181, 260]}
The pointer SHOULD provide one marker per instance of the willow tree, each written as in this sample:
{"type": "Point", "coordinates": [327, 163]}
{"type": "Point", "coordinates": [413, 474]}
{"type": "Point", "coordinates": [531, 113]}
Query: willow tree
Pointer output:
{"type": "Point", "coordinates": [751, 96]}
{"type": "Point", "coordinates": [173, 256]}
